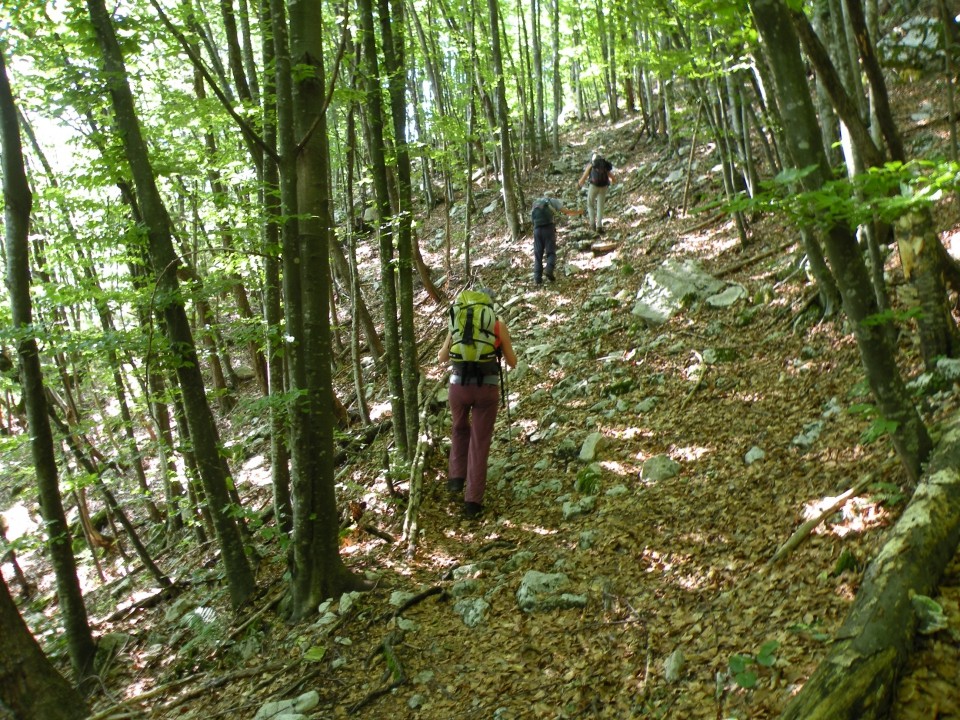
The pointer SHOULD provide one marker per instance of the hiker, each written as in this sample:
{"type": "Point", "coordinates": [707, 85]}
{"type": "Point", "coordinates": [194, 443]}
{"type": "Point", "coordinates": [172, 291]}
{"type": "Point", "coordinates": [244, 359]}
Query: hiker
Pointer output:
{"type": "Point", "coordinates": [599, 172]}
{"type": "Point", "coordinates": [545, 235]}
{"type": "Point", "coordinates": [474, 332]}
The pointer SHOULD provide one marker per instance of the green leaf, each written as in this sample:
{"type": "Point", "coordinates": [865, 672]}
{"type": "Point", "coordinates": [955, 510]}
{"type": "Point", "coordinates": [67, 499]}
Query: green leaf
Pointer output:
{"type": "Point", "coordinates": [746, 680]}
{"type": "Point", "coordinates": [738, 663]}
{"type": "Point", "coordinates": [766, 656]}
{"type": "Point", "coordinates": [315, 654]}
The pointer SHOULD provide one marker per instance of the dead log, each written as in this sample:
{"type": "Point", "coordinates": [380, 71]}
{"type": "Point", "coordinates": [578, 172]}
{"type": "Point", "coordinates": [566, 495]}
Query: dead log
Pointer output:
{"type": "Point", "coordinates": [602, 248]}
{"type": "Point", "coordinates": [858, 677]}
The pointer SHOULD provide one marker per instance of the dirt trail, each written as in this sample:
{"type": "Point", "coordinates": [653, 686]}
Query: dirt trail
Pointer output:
{"type": "Point", "coordinates": [669, 568]}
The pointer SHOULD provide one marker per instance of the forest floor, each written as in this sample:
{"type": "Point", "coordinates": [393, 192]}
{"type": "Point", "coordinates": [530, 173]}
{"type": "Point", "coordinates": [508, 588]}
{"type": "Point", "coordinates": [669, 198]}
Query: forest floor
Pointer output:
{"type": "Point", "coordinates": [669, 568]}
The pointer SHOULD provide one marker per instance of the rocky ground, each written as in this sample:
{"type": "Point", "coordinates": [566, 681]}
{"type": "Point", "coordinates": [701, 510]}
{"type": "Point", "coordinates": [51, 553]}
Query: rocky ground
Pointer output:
{"type": "Point", "coordinates": [666, 604]}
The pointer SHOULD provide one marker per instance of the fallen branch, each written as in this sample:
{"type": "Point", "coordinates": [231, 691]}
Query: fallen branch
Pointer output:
{"type": "Point", "coordinates": [803, 532]}
{"type": "Point", "coordinates": [409, 603]}
{"type": "Point", "coordinates": [754, 258]}
{"type": "Point", "coordinates": [394, 669]}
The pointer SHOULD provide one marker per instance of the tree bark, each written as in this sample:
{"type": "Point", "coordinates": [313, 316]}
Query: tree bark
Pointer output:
{"type": "Point", "coordinates": [18, 202]}
{"type": "Point", "coordinates": [857, 679]}
{"type": "Point", "coordinates": [317, 570]}
{"type": "Point", "coordinates": [30, 686]}
{"type": "Point", "coordinates": [802, 134]}
{"type": "Point", "coordinates": [203, 430]}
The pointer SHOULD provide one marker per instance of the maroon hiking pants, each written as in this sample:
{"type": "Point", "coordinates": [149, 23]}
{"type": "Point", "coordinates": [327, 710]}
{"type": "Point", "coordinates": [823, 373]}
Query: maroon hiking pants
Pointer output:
{"type": "Point", "coordinates": [474, 411]}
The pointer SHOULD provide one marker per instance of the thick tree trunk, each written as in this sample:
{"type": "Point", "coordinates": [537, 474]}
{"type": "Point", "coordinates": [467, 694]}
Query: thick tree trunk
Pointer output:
{"type": "Point", "coordinates": [316, 567]}
{"type": "Point", "coordinates": [857, 678]}
{"type": "Point", "coordinates": [30, 686]}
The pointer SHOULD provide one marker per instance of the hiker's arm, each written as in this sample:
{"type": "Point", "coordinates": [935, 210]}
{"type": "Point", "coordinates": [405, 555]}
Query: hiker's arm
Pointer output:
{"type": "Point", "coordinates": [569, 211]}
{"type": "Point", "coordinates": [613, 178]}
{"type": "Point", "coordinates": [506, 346]}
{"type": "Point", "coordinates": [444, 354]}
{"type": "Point", "coordinates": [583, 178]}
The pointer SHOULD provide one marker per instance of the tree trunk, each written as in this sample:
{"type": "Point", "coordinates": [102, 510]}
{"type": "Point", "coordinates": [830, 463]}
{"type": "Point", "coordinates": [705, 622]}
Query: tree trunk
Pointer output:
{"type": "Point", "coordinates": [272, 287]}
{"type": "Point", "coordinates": [393, 25]}
{"type": "Point", "coordinates": [317, 570]}
{"type": "Point", "coordinates": [30, 686]}
{"type": "Point", "coordinates": [857, 679]}
{"type": "Point", "coordinates": [203, 430]}
{"type": "Point", "coordinates": [802, 134]}
{"type": "Point", "coordinates": [17, 202]}
{"type": "Point", "coordinates": [376, 144]}
{"type": "Point", "coordinates": [508, 182]}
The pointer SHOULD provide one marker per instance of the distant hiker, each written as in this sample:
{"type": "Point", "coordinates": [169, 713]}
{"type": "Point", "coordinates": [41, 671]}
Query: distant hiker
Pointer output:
{"type": "Point", "coordinates": [599, 172]}
{"type": "Point", "coordinates": [545, 235]}
{"type": "Point", "coordinates": [476, 340]}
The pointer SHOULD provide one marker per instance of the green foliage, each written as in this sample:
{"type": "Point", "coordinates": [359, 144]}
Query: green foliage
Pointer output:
{"type": "Point", "coordinates": [878, 428]}
{"type": "Point", "coordinates": [887, 493]}
{"type": "Point", "coordinates": [588, 479]}
{"type": "Point", "coordinates": [743, 668]}
{"type": "Point", "coordinates": [892, 316]}
{"type": "Point", "coordinates": [886, 193]}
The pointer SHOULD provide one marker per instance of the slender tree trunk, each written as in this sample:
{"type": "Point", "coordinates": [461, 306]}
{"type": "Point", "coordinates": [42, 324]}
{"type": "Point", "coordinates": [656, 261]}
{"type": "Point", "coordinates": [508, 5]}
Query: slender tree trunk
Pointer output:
{"type": "Point", "coordinates": [17, 201]}
{"type": "Point", "coordinates": [392, 34]}
{"type": "Point", "coordinates": [203, 430]}
{"type": "Point", "coordinates": [508, 182]}
{"type": "Point", "coordinates": [272, 288]}
{"type": "Point", "coordinates": [376, 144]}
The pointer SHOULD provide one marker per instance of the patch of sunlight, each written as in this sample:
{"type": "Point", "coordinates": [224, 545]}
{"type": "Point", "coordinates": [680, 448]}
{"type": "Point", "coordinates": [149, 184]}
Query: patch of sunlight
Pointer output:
{"type": "Point", "coordinates": [693, 581]}
{"type": "Point", "coordinates": [620, 468]}
{"type": "Point", "coordinates": [708, 243]}
{"type": "Point", "coordinates": [380, 410]}
{"type": "Point", "coordinates": [18, 521]}
{"type": "Point", "coordinates": [535, 529]}
{"type": "Point", "coordinates": [692, 452]}
{"type": "Point", "coordinates": [638, 210]}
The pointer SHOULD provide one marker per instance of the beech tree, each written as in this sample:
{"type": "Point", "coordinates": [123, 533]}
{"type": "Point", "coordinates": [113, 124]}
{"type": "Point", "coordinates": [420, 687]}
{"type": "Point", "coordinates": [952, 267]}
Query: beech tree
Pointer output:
{"type": "Point", "coordinates": [203, 431]}
{"type": "Point", "coordinates": [17, 201]}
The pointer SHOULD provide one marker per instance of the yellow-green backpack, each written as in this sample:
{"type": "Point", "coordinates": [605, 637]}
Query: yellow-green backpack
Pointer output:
{"type": "Point", "coordinates": [472, 324]}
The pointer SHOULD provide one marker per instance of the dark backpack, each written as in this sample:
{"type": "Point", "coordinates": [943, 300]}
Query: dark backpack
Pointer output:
{"type": "Point", "coordinates": [473, 334]}
{"type": "Point", "coordinates": [600, 172]}
{"type": "Point", "coordinates": [542, 213]}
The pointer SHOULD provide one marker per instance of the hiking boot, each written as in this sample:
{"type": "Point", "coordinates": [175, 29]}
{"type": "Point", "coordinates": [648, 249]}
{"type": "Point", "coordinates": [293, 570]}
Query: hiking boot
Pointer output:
{"type": "Point", "coordinates": [455, 485]}
{"type": "Point", "coordinates": [472, 510]}
{"type": "Point", "coordinates": [599, 231]}
{"type": "Point", "coordinates": [538, 282]}
{"type": "Point", "coordinates": [550, 277]}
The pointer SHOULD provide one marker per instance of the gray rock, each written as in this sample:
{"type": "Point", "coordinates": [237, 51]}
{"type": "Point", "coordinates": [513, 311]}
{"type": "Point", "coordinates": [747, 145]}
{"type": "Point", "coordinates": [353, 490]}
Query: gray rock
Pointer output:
{"type": "Point", "coordinates": [728, 297]}
{"type": "Point", "coordinates": [593, 443]}
{"type": "Point", "coordinates": [536, 586]}
{"type": "Point", "coordinates": [472, 611]}
{"type": "Point", "coordinates": [572, 509]}
{"type": "Point", "coordinates": [672, 287]}
{"type": "Point", "coordinates": [673, 666]}
{"type": "Point", "coordinates": [808, 436]}
{"type": "Point", "coordinates": [753, 455]}
{"type": "Point", "coordinates": [659, 467]}
{"type": "Point", "coordinates": [290, 708]}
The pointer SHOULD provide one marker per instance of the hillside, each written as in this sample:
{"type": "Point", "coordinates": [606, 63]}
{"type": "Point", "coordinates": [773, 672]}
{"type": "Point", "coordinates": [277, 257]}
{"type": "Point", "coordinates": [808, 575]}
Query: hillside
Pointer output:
{"type": "Point", "coordinates": [668, 577]}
